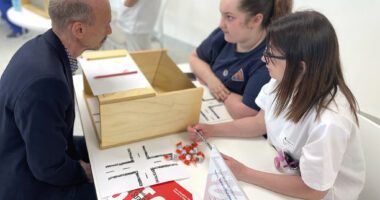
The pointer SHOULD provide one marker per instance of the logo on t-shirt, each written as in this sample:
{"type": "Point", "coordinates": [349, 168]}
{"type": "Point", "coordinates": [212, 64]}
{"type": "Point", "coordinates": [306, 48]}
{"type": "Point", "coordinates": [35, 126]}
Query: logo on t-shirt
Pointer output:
{"type": "Point", "coordinates": [238, 76]}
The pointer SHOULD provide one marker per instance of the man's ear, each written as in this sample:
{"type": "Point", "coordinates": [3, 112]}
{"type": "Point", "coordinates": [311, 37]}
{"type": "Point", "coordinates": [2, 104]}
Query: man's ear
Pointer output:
{"type": "Point", "coordinates": [78, 30]}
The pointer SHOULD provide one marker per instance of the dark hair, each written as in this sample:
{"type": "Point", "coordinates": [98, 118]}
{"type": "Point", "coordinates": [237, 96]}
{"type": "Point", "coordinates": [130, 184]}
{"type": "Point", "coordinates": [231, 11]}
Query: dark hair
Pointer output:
{"type": "Point", "coordinates": [270, 9]}
{"type": "Point", "coordinates": [308, 37]}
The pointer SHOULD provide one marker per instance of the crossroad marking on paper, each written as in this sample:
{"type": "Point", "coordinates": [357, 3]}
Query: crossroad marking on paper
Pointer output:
{"type": "Point", "coordinates": [135, 165]}
{"type": "Point", "coordinates": [212, 111]}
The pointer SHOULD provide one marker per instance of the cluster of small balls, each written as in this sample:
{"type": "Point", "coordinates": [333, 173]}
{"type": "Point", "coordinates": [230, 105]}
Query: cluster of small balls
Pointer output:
{"type": "Point", "coordinates": [187, 154]}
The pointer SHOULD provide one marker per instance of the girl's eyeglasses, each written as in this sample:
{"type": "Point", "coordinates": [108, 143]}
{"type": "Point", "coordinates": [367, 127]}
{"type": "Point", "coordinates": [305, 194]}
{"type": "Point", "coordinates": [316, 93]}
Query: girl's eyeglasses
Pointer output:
{"type": "Point", "coordinates": [269, 56]}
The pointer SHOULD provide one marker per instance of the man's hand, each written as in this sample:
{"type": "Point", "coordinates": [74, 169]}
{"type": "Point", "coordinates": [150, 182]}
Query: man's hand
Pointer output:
{"type": "Point", "coordinates": [87, 169]}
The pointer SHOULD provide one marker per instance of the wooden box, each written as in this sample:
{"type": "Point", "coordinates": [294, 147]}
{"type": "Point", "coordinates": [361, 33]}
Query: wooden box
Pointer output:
{"type": "Point", "coordinates": [168, 107]}
{"type": "Point", "coordinates": [39, 7]}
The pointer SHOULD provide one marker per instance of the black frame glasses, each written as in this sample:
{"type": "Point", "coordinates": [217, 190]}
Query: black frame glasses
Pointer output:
{"type": "Point", "coordinates": [269, 56]}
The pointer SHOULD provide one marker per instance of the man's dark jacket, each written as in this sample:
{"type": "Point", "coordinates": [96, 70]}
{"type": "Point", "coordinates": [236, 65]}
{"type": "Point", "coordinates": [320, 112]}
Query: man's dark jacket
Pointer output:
{"type": "Point", "coordinates": [37, 156]}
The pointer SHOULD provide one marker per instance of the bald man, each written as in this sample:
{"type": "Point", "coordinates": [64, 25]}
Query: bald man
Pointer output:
{"type": "Point", "coordinates": [38, 158]}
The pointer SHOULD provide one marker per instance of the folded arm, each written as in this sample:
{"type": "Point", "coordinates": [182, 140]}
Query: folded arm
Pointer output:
{"type": "Point", "coordinates": [236, 108]}
{"type": "Point", "coordinates": [205, 75]}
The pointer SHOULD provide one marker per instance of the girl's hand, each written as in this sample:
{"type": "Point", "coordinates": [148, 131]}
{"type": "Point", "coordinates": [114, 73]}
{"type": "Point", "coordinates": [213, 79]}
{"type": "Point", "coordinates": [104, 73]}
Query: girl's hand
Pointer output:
{"type": "Point", "coordinates": [217, 89]}
{"type": "Point", "coordinates": [205, 129]}
{"type": "Point", "coordinates": [236, 167]}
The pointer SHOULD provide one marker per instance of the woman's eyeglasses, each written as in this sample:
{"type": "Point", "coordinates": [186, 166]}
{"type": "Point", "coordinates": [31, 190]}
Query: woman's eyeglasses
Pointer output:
{"type": "Point", "coordinates": [269, 56]}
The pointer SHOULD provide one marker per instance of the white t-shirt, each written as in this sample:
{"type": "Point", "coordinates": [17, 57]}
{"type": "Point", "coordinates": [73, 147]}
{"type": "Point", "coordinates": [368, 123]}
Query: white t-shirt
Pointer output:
{"type": "Point", "coordinates": [140, 18]}
{"type": "Point", "coordinates": [328, 149]}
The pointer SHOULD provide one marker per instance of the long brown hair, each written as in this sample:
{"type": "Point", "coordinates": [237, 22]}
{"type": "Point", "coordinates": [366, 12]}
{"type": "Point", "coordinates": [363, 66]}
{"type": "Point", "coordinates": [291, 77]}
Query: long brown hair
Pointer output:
{"type": "Point", "coordinates": [270, 9]}
{"type": "Point", "coordinates": [308, 37]}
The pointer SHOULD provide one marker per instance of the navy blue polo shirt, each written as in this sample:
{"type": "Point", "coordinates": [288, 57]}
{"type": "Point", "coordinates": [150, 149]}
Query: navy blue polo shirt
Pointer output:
{"type": "Point", "coordinates": [241, 73]}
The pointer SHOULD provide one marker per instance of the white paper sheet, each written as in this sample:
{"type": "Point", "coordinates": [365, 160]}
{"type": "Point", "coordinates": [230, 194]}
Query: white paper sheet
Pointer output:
{"type": "Point", "coordinates": [221, 183]}
{"type": "Point", "coordinates": [93, 68]}
{"type": "Point", "coordinates": [212, 111]}
{"type": "Point", "coordinates": [136, 165]}
{"type": "Point", "coordinates": [133, 166]}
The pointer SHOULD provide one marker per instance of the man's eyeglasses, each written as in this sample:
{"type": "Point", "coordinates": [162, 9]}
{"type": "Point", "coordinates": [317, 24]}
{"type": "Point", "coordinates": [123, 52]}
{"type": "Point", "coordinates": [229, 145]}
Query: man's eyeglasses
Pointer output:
{"type": "Point", "coordinates": [269, 56]}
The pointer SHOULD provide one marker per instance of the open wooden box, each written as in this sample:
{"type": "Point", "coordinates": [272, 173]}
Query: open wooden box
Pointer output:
{"type": "Point", "coordinates": [168, 107]}
{"type": "Point", "coordinates": [40, 7]}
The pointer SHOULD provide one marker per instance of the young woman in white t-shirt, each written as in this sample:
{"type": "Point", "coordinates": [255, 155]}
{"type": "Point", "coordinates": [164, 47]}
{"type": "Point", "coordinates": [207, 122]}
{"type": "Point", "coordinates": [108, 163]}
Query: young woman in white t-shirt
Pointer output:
{"type": "Point", "coordinates": [137, 21]}
{"type": "Point", "coordinates": [308, 113]}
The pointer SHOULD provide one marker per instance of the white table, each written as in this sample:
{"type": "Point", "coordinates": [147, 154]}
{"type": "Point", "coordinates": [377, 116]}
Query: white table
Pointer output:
{"type": "Point", "coordinates": [29, 20]}
{"type": "Point", "coordinates": [256, 153]}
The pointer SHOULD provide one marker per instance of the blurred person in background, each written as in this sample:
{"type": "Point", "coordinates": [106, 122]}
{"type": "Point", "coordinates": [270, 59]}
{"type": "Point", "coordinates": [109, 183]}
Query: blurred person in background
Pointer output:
{"type": "Point", "coordinates": [4, 7]}
{"type": "Point", "coordinates": [137, 20]}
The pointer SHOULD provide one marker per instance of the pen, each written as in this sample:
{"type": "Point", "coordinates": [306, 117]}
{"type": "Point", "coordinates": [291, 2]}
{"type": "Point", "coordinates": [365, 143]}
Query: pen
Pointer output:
{"type": "Point", "coordinates": [203, 138]}
{"type": "Point", "coordinates": [115, 74]}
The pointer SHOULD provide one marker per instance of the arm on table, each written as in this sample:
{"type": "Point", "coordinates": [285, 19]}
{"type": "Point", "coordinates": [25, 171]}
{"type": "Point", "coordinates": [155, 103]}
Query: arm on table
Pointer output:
{"type": "Point", "coordinates": [236, 108]}
{"type": "Point", "coordinates": [285, 184]}
{"type": "Point", "coordinates": [242, 128]}
{"type": "Point", "coordinates": [203, 72]}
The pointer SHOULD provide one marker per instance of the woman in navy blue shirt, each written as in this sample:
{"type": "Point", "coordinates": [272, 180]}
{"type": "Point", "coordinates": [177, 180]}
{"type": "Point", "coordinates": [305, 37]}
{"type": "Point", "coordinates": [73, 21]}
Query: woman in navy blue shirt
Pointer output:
{"type": "Point", "coordinates": [229, 60]}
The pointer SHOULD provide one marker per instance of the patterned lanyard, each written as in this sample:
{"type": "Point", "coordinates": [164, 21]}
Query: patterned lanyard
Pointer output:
{"type": "Point", "coordinates": [285, 163]}
{"type": "Point", "coordinates": [73, 62]}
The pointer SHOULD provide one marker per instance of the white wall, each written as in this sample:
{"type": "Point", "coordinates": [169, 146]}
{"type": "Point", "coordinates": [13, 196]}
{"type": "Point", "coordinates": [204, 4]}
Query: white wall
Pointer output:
{"type": "Point", "coordinates": [357, 24]}
{"type": "Point", "coordinates": [191, 21]}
